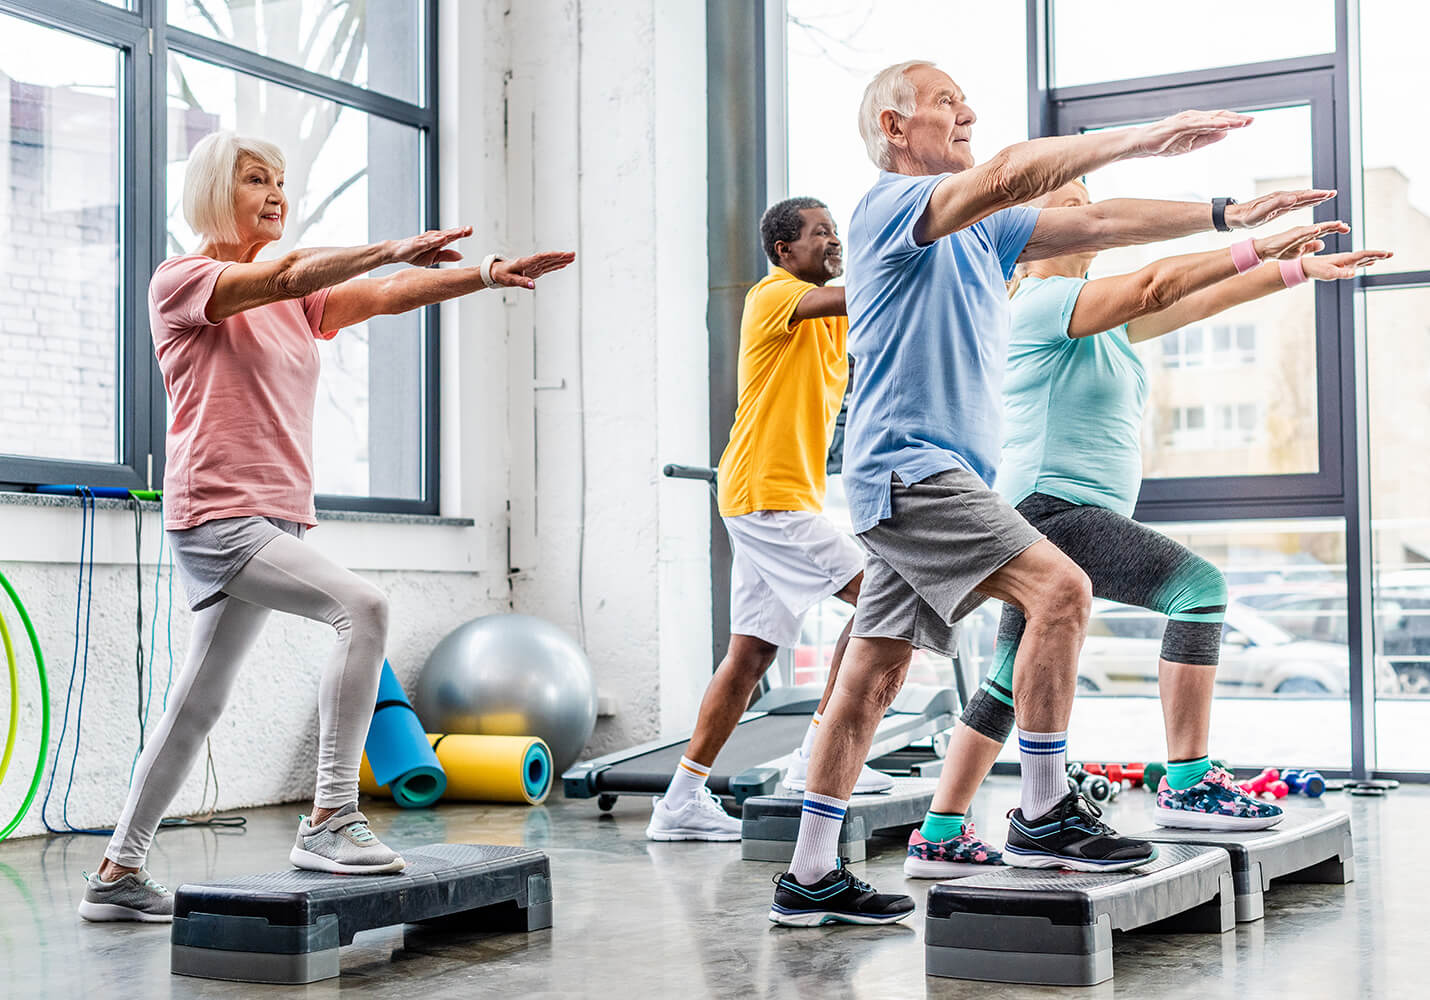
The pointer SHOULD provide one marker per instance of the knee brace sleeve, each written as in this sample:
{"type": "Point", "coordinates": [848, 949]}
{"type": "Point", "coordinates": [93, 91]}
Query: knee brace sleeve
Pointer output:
{"type": "Point", "coordinates": [990, 710]}
{"type": "Point", "coordinates": [1194, 600]}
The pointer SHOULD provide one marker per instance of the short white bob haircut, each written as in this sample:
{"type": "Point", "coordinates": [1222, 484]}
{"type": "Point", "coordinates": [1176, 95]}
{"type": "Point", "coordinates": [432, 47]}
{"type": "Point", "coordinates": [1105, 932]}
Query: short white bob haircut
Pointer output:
{"type": "Point", "coordinates": [890, 90]}
{"type": "Point", "coordinates": [210, 177]}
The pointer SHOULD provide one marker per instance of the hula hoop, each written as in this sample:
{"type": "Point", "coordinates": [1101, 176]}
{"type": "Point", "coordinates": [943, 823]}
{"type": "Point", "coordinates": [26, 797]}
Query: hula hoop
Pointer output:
{"type": "Point", "coordinates": [14, 700]}
{"type": "Point", "coordinates": [44, 708]}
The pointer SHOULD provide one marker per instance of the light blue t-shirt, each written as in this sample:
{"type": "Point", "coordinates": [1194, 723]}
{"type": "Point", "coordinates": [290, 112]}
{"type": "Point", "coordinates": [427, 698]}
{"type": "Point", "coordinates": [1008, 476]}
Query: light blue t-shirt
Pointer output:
{"type": "Point", "coordinates": [928, 330]}
{"type": "Point", "coordinates": [1072, 407]}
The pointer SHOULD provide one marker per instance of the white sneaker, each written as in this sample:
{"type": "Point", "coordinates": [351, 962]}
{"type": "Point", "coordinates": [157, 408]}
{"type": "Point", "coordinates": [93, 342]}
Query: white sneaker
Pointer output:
{"type": "Point", "coordinates": [701, 818]}
{"type": "Point", "coordinates": [870, 782]}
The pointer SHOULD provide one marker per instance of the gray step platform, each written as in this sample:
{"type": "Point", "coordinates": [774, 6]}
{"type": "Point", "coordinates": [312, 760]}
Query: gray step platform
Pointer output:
{"type": "Point", "coordinates": [1306, 846]}
{"type": "Point", "coordinates": [770, 823]}
{"type": "Point", "coordinates": [287, 927]}
{"type": "Point", "coordinates": [1022, 925]}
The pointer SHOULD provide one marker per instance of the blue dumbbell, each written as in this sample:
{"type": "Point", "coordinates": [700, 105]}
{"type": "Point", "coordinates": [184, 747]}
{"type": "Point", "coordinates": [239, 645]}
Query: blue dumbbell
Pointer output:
{"type": "Point", "coordinates": [1305, 782]}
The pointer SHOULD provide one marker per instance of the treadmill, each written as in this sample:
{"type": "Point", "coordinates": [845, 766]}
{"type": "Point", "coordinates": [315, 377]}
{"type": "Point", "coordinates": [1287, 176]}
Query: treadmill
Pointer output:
{"type": "Point", "coordinates": [754, 759]}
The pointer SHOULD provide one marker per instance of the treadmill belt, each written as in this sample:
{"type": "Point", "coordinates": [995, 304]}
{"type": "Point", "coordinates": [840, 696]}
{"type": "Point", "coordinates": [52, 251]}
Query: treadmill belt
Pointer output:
{"type": "Point", "coordinates": [753, 743]}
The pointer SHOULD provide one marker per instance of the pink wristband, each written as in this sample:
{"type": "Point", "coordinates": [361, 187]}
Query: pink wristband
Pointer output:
{"type": "Point", "coordinates": [1292, 272]}
{"type": "Point", "coordinates": [1243, 255]}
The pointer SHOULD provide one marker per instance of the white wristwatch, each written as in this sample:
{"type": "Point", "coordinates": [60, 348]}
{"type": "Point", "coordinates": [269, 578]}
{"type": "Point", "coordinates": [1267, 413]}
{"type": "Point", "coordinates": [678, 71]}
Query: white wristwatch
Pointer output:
{"type": "Point", "coordinates": [486, 269]}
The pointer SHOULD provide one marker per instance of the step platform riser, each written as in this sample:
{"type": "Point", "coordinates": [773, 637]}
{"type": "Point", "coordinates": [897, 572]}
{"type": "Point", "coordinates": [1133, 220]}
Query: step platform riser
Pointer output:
{"type": "Point", "coordinates": [770, 823]}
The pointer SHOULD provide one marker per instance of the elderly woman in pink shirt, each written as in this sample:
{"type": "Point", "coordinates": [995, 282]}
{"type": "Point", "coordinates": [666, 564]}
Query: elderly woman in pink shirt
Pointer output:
{"type": "Point", "coordinates": [235, 340]}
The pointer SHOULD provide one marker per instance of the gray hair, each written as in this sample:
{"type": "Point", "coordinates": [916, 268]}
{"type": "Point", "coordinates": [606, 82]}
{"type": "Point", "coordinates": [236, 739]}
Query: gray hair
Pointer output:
{"type": "Point", "coordinates": [210, 176]}
{"type": "Point", "coordinates": [890, 90]}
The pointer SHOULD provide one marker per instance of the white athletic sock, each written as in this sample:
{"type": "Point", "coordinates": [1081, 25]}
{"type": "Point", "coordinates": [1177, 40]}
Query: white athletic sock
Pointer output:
{"type": "Point", "coordinates": [807, 746]}
{"type": "Point", "coordinates": [687, 783]}
{"type": "Point", "coordinates": [816, 852]}
{"type": "Point", "coordinates": [1043, 757]}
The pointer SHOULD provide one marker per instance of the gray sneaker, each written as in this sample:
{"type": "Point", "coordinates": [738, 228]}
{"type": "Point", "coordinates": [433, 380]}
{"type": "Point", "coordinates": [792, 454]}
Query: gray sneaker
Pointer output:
{"type": "Point", "coordinates": [129, 897]}
{"type": "Point", "coordinates": [343, 844]}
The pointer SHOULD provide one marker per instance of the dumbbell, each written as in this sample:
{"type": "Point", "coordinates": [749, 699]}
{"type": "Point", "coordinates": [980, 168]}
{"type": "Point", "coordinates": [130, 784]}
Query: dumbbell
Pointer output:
{"type": "Point", "coordinates": [1305, 782]}
{"type": "Point", "coordinates": [1268, 782]}
{"type": "Point", "coordinates": [1095, 787]}
{"type": "Point", "coordinates": [1117, 773]}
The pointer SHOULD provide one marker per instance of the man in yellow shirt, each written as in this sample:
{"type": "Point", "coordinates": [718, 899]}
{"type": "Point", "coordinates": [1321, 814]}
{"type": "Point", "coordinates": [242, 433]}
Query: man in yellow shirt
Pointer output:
{"type": "Point", "coordinates": [787, 556]}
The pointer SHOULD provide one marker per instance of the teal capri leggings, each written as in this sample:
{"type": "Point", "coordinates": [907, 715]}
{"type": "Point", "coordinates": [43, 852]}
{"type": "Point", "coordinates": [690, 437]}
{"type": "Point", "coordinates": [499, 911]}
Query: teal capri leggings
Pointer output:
{"type": "Point", "coordinates": [1127, 562]}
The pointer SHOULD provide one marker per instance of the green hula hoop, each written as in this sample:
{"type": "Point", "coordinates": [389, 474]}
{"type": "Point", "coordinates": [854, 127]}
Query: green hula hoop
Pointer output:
{"type": "Point", "coordinates": [44, 708]}
{"type": "Point", "coordinates": [14, 700]}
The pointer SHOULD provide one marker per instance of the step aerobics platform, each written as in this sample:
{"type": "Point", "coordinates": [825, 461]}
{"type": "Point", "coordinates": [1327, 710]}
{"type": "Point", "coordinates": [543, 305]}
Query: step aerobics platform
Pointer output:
{"type": "Point", "coordinates": [769, 824]}
{"type": "Point", "coordinates": [1023, 925]}
{"type": "Point", "coordinates": [287, 927]}
{"type": "Point", "coordinates": [1306, 846]}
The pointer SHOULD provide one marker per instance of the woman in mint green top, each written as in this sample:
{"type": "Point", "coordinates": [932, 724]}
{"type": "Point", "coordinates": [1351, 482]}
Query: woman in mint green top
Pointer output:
{"type": "Point", "coordinates": [1074, 396]}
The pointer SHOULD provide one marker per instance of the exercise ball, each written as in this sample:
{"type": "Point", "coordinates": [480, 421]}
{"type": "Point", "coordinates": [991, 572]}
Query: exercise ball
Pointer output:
{"type": "Point", "coordinates": [510, 675]}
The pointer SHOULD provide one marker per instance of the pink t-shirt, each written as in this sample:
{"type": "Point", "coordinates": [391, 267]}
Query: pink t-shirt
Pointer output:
{"type": "Point", "coordinates": [241, 399]}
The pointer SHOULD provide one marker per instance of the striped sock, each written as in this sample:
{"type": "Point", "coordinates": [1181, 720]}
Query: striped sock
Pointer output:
{"type": "Point", "coordinates": [816, 852]}
{"type": "Point", "coordinates": [689, 779]}
{"type": "Point", "coordinates": [1183, 774]}
{"type": "Point", "coordinates": [807, 747]}
{"type": "Point", "coordinates": [1043, 757]}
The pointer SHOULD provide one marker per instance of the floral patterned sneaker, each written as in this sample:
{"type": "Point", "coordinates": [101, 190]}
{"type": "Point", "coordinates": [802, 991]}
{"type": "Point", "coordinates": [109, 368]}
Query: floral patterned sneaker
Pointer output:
{"type": "Point", "coordinates": [1214, 803]}
{"type": "Point", "coordinates": [957, 857]}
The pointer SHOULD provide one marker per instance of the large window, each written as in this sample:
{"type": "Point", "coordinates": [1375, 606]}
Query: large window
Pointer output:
{"type": "Point", "coordinates": [98, 113]}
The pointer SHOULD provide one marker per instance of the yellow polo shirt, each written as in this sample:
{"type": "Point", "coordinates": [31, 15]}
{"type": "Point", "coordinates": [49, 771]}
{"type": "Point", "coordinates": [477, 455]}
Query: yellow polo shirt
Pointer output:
{"type": "Point", "coordinates": [791, 383]}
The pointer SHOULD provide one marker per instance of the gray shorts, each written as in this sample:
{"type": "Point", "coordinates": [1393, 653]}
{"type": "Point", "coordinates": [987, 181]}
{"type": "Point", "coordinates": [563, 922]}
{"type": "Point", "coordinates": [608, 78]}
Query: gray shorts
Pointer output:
{"type": "Point", "coordinates": [211, 554]}
{"type": "Point", "coordinates": [945, 536]}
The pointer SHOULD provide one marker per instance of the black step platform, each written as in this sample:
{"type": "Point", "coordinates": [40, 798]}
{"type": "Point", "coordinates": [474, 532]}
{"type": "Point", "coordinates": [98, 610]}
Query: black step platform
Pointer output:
{"type": "Point", "coordinates": [769, 824]}
{"type": "Point", "coordinates": [287, 927]}
{"type": "Point", "coordinates": [1307, 846]}
{"type": "Point", "coordinates": [1021, 925]}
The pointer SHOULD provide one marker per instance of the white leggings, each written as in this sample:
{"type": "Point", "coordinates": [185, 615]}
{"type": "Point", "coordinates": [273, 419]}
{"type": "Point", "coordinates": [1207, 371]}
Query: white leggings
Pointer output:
{"type": "Point", "coordinates": [285, 575]}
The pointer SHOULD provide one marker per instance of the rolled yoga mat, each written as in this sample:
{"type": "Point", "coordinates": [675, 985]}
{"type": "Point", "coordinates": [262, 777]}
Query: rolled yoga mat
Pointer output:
{"type": "Point", "coordinates": [398, 758]}
{"type": "Point", "coordinates": [486, 768]}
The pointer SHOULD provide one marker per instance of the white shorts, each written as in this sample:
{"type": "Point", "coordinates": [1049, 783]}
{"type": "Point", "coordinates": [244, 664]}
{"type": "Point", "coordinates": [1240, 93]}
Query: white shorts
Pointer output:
{"type": "Point", "coordinates": [785, 562]}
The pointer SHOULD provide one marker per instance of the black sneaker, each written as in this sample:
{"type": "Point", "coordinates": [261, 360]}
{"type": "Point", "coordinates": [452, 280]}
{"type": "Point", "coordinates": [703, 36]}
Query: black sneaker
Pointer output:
{"type": "Point", "coordinates": [1072, 836]}
{"type": "Point", "coordinates": [837, 898]}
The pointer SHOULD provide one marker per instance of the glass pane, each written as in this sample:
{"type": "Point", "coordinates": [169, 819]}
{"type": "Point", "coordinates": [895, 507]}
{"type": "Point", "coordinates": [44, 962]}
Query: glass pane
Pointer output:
{"type": "Point", "coordinates": [351, 179]}
{"type": "Point", "coordinates": [835, 50]}
{"type": "Point", "coordinates": [1274, 365]}
{"type": "Point", "coordinates": [324, 36]}
{"type": "Point", "coordinates": [1398, 349]}
{"type": "Point", "coordinates": [59, 244]}
{"type": "Point", "coordinates": [1394, 166]}
{"type": "Point", "coordinates": [1281, 692]}
{"type": "Point", "coordinates": [1098, 40]}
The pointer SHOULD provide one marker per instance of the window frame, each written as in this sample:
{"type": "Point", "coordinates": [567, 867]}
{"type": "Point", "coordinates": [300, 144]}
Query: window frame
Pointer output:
{"type": "Point", "coordinates": [144, 39]}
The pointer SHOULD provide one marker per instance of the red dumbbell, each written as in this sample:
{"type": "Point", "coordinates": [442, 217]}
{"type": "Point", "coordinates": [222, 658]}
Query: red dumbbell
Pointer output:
{"type": "Point", "coordinates": [1130, 773]}
{"type": "Point", "coordinates": [1267, 783]}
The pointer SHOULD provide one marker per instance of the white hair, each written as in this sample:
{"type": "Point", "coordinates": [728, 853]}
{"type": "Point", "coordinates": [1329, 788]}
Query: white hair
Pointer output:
{"type": "Point", "coordinates": [890, 90]}
{"type": "Point", "coordinates": [210, 177]}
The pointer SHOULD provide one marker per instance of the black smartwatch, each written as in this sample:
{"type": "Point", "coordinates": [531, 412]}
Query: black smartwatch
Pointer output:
{"type": "Point", "coordinates": [1219, 214]}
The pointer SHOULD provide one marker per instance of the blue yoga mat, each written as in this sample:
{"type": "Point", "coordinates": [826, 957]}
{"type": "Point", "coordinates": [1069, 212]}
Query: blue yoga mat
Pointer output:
{"type": "Point", "coordinates": [398, 751]}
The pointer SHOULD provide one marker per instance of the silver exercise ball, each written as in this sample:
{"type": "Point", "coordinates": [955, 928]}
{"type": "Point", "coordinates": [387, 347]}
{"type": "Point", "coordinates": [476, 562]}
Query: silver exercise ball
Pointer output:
{"type": "Point", "coordinates": [510, 675]}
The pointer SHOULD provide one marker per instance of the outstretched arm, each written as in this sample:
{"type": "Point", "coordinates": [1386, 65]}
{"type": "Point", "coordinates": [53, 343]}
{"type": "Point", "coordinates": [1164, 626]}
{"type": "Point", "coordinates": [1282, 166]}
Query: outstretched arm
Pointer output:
{"type": "Point", "coordinates": [1107, 303]}
{"type": "Point", "coordinates": [1252, 285]}
{"type": "Point", "coordinates": [1027, 170]}
{"type": "Point", "coordinates": [358, 300]}
{"type": "Point", "coordinates": [825, 301]}
{"type": "Point", "coordinates": [1121, 222]}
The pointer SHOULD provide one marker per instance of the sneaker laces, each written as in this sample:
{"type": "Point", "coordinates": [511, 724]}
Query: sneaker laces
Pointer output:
{"type": "Point", "coordinates": [710, 801]}
{"type": "Point", "coordinates": [356, 828]}
{"type": "Point", "coordinates": [1079, 806]}
{"type": "Point", "coordinates": [843, 868]}
{"type": "Point", "coordinates": [1218, 776]}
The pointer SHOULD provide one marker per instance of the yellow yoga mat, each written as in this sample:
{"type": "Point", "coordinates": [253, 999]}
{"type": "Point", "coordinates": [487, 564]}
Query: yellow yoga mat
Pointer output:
{"type": "Point", "coordinates": [485, 768]}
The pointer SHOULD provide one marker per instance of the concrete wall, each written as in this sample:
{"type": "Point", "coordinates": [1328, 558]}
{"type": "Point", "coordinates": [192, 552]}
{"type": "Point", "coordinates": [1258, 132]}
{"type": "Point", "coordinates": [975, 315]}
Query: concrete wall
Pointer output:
{"type": "Point", "coordinates": [573, 125]}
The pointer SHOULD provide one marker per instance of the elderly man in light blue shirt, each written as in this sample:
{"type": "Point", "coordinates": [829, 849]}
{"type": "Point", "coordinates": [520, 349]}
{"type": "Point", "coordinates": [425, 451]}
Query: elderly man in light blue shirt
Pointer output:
{"type": "Point", "coordinates": [930, 247]}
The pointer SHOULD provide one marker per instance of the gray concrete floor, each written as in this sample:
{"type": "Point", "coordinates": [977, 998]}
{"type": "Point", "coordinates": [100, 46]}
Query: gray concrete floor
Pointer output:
{"type": "Point", "coordinates": [635, 919]}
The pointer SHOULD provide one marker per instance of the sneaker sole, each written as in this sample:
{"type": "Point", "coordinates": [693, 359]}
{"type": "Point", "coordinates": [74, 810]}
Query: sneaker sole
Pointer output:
{"type": "Point", "coordinates": [670, 836]}
{"type": "Point", "coordinates": [1012, 857]}
{"type": "Point", "coordinates": [817, 918]}
{"type": "Point", "coordinates": [1183, 819]}
{"type": "Point", "coordinates": [110, 912]}
{"type": "Point", "coordinates": [799, 786]}
{"type": "Point", "coordinates": [921, 868]}
{"type": "Point", "coordinates": [308, 861]}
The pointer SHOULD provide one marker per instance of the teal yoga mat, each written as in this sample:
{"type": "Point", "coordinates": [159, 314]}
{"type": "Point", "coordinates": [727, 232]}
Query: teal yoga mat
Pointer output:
{"type": "Point", "coordinates": [397, 752]}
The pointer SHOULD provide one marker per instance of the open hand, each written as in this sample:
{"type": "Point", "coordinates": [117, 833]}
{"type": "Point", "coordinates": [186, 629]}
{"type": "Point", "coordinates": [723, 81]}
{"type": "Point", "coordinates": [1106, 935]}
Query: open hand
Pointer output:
{"type": "Point", "coordinates": [523, 271]}
{"type": "Point", "coordinates": [1186, 131]}
{"type": "Point", "coordinates": [1332, 266]}
{"type": "Point", "coordinates": [1262, 210]}
{"type": "Point", "coordinates": [1294, 242]}
{"type": "Point", "coordinates": [430, 247]}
